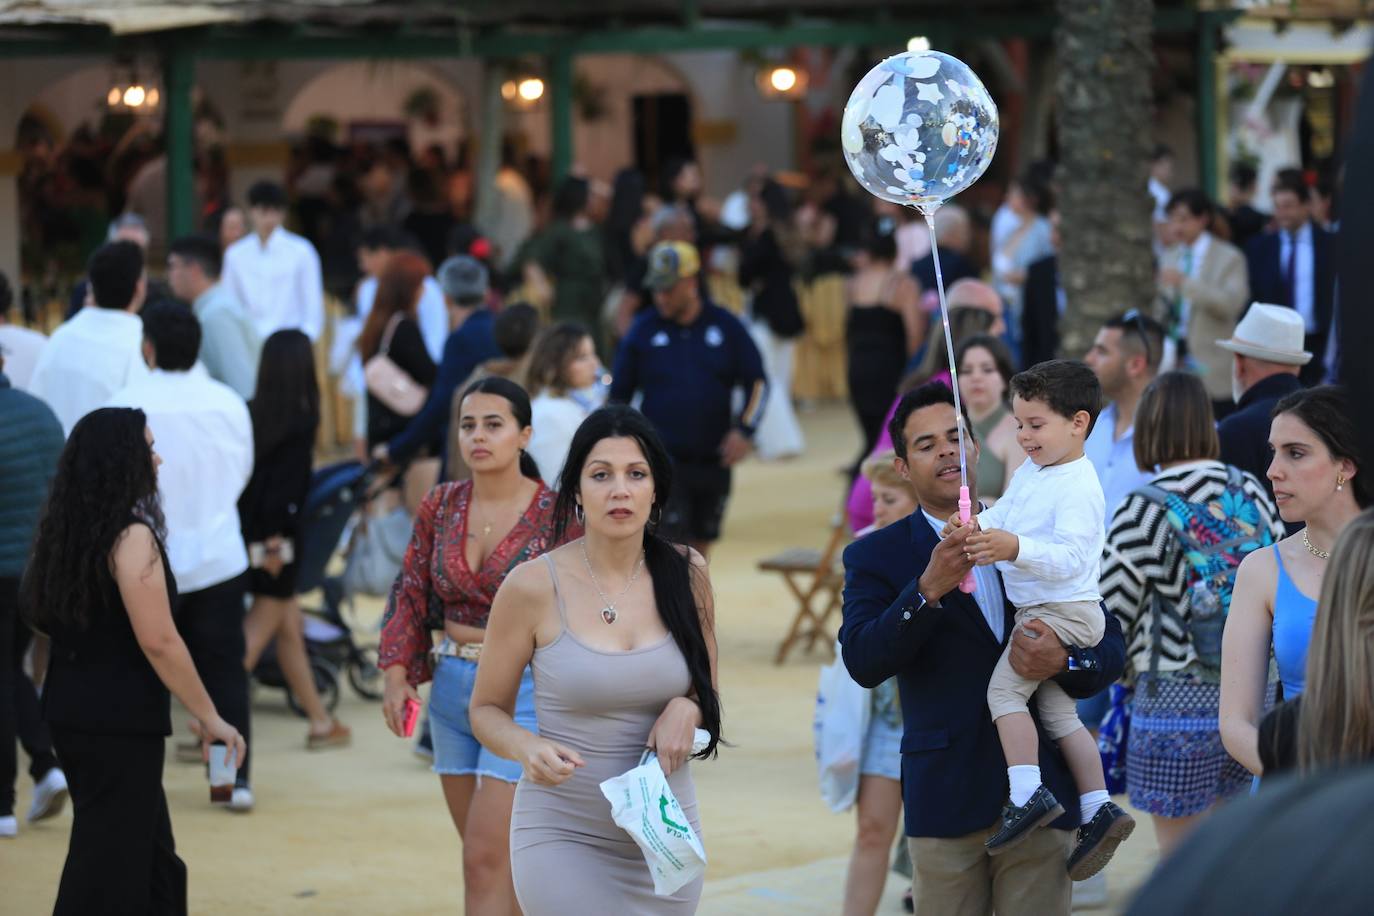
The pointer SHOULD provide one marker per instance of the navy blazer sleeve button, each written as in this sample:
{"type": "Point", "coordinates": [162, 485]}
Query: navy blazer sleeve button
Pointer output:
{"type": "Point", "coordinates": [906, 615]}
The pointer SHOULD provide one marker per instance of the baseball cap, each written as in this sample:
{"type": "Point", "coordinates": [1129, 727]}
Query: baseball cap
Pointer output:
{"type": "Point", "coordinates": [670, 262]}
{"type": "Point", "coordinates": [463, 279]}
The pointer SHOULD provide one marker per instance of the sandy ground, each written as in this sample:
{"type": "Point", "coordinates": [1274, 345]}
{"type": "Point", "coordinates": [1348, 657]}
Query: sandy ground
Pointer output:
{"type": "Point", "coordinates": [365, 829]}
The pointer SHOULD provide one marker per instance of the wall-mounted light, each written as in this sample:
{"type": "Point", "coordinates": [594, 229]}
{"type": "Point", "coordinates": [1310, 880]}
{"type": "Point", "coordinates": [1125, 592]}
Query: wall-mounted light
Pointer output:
{"type": "Point", "coordinates": [531, 89]}
{"type": "Point", "coordinates": [523, 91]}
{"type": "Point", "coordinates": [782, 81]}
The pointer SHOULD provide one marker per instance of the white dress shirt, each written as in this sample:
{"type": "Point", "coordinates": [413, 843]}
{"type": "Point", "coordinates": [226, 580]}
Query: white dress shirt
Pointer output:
{"type": "Point", "coordinates": [279, 283]}
{"type": "Point", "coordinates": [1190, 265]}
{"type": "Point", "coordinates": [202, 430]}
{"type": "Point", "coordinates": [554, 420]}
{"type": "Point", "coordinates": [21, 348]}
{"type": "Point", "coordinates": [88, 359]}
{"type": "Point", "coordinates": [1114, 461]}
{"type": "Point", "coordinates": [1058, 514]}
{"type": "Point", "coordinates": [987, 590]}
{"type": "Point", "coordinates": [1303, 269]}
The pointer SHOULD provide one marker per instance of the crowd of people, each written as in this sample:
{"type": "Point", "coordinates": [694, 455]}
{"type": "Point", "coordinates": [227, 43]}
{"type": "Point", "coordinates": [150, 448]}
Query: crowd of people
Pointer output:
{"type": "Point", "coordinates": [1190, 471]}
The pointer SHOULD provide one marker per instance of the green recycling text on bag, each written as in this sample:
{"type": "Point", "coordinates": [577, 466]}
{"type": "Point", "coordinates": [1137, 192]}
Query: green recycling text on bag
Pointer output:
{"type": "Point", "coordinates": [643, 805]}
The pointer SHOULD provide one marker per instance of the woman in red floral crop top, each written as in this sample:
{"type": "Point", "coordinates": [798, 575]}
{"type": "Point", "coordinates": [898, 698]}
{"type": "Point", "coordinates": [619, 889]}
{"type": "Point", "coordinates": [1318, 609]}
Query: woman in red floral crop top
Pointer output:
{"type": "Point", "coordinates": [468, 535]}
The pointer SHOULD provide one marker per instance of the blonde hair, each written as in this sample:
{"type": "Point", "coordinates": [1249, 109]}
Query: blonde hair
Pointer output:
{"type": "Point", "coordinates": [1336, 721]}
{"type": "Point", "coordinates": [880, 471]}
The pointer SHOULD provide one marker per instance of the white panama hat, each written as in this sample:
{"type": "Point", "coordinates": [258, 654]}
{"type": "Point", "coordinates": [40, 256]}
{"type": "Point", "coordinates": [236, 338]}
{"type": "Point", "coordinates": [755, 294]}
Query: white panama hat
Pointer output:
{"type": "Point", "coordinates": [1273, 333]}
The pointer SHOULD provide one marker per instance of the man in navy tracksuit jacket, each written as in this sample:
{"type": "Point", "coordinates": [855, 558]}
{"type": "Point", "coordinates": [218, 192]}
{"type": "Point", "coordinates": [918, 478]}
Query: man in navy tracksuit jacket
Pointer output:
{"type": "Point", "coordinates": [905, 616]}
{"type": "Point", "coordinates": [686, 359]}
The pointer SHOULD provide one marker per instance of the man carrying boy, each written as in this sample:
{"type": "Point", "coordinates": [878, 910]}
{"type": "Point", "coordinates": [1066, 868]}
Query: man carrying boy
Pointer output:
{"type": "Point", "coordinates": [1046, 537]}
{"type": "Point", "coordinates": [904, 615]}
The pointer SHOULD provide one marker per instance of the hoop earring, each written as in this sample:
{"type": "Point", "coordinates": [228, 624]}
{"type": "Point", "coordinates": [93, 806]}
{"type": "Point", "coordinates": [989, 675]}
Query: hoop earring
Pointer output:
{"type": "Point", "coordinates": [579, 514]}
{"type": "Point", "coordinates": [655, 519]}
{"type": "Point", "coordinates": [1340, 482]}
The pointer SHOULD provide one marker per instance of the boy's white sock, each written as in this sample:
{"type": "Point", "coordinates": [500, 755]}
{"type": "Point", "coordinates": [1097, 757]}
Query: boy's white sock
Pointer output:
{"type": "Point", "coordinates": [1024, 781]}
{"type": "Point", "coordinates": [1092, 802]}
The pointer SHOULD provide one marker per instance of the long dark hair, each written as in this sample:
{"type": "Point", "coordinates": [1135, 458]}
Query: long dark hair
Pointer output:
{"type": "Point", "coordinates": [105, 481]}
{"type": "Point", "coordinates": [287, 398]}
{"type": "Point", "coordinates": [668, 563]}
{"type": "Point", "coordinates": [520, 409]}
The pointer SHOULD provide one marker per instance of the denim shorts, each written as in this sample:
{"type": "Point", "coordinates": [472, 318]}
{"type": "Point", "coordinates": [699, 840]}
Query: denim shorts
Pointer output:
{"type": "Point", "coordinates": [882, 754]}
{"type": "Point", "coordinates": [457, 752]}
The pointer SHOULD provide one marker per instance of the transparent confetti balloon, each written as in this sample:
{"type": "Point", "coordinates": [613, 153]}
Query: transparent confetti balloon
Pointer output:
{"type": "Point", "coordinates": [919, 128]}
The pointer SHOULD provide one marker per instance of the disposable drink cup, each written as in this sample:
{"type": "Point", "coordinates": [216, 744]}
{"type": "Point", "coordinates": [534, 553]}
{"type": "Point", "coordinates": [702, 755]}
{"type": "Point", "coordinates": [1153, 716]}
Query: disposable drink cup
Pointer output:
{"type": "Point", "coordinates": [222, 773]}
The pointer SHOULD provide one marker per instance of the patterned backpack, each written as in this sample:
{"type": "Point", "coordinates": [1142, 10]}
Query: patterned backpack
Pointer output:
{"type": "Point", "coordinates": [1216, 535]}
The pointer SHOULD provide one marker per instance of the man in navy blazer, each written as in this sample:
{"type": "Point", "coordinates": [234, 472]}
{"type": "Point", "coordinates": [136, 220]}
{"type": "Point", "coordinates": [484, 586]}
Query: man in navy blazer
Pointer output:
{"type": "Point", "coordinates": [1296, 266]}
{"type": "Point", "coordinates": [905, 616]}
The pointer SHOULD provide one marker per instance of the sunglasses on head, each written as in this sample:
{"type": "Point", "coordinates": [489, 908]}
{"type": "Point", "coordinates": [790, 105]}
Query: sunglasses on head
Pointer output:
{"type": "Point", "coordinates": [1135, 320]}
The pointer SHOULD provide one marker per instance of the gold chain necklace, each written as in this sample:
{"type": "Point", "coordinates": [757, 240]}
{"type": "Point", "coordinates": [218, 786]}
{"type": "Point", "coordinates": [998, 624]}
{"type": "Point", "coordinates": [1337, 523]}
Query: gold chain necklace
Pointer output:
{"type": "Point", "coordinates": [1319, 554]}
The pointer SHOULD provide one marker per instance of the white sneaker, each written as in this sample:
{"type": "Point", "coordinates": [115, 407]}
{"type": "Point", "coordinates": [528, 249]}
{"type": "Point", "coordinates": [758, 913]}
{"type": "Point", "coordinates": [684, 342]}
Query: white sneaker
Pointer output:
{"type": "Point", "coordinates": [9, 826]}
{"type": "Point", "coordinates": [49, 795]}
{"type": "Point", "coordinates": [1090, 893]}
{"type": "Point", "coordinates": [242, 800]}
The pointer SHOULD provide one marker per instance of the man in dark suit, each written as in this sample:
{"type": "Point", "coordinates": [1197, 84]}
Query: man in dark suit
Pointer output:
{"type": "Point", "coordinates": [1042, 302]}
{"type": "Point", "coordinates": [1296, 267]}
{"type": "Point", "coordinates": [904, 616]}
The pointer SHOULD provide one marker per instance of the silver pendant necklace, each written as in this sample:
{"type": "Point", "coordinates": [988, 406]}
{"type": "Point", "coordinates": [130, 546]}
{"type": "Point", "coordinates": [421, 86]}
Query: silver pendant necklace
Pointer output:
{"type": "Point", "coordinates": [608, 612]}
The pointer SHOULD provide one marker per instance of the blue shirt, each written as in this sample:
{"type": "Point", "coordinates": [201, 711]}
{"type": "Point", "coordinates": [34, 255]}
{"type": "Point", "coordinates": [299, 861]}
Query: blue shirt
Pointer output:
{"type": "Point", "coordinates": [1114, 461]}
{"type": "Point", "coordinates": [687, 376]}
{"type": "Point", "coordinates": [471, 344]}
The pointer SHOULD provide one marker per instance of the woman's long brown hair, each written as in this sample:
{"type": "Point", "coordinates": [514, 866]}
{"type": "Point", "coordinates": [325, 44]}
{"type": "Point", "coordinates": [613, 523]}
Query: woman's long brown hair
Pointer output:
{"type": "Point", "coordinates": [398, 290]}
{"type": "Point", "coordinates": [1336, 722]}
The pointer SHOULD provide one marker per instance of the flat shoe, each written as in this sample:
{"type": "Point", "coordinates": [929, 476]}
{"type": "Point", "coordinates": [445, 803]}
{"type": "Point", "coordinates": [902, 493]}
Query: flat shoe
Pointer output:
{"type": "Point", "coordinates": [339, 735]}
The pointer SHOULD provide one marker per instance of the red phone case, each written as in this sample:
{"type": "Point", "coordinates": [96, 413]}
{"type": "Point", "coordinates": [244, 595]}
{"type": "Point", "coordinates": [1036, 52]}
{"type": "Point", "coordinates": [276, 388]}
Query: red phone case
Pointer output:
{"type": "Point", "coordinates": [411, 716]}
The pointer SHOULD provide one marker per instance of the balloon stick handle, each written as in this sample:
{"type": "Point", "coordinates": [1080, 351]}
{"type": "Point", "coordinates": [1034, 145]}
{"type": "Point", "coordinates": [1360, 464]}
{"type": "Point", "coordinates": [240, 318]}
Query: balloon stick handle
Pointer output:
{"type": "Point", "coordinates": [965, 510]}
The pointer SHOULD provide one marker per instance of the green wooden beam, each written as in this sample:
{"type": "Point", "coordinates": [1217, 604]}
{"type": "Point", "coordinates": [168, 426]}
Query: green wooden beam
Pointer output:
{"type": "Point", "coordinates": [178, 78]}
{"type": "Point", "coordinates": [1207, 105]}
{"type": "Point", "coordinates": [560, 82]}
{"type": "Point", "coordinates": [290, 43]}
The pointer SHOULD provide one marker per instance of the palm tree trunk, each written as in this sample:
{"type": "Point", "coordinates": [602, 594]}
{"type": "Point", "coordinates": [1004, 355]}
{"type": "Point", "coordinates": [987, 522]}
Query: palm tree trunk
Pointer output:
{"type": "Point", "coordinates": [1105, 260]}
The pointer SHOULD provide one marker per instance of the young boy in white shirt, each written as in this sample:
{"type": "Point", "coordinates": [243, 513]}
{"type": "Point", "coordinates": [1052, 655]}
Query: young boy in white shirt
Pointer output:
{"type": "Point", "coordinates": [1045, 534]}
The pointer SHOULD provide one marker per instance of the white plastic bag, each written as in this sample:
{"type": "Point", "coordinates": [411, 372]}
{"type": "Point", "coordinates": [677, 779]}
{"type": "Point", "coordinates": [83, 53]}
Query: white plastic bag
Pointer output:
{"type": "Point", "coordinates": [643, 805]}
{"type": "Point", "coordinates": [842, 711]}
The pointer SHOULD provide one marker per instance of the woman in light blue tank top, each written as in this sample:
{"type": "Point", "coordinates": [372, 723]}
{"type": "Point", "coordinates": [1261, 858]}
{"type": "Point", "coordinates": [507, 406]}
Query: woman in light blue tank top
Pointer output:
{"type": "Point", "coordinates": [1317, 481]}
{"type": "Point", "coordinates": [1294, 614]}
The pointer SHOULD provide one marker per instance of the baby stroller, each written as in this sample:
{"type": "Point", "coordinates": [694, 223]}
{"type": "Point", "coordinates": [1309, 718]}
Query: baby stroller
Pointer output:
{"type": "Point", "coordinates": [337, 493]}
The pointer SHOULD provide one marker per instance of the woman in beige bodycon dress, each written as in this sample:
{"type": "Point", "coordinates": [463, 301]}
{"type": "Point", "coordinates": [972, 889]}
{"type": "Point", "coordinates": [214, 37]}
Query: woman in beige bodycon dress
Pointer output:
{"type": "Point", "coordinates": [618, 627]}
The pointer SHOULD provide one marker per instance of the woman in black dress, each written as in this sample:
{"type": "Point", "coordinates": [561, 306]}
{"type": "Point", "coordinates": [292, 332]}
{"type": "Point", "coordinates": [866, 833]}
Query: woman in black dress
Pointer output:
{"type": "Point", "coordinates": [392, 329]}
{"type": "Point", "coordinates": [286, 415]}
{"type": "Point", "coordinates": [99, 585]}
{"type": "Point", "coordinates": [883, 330]}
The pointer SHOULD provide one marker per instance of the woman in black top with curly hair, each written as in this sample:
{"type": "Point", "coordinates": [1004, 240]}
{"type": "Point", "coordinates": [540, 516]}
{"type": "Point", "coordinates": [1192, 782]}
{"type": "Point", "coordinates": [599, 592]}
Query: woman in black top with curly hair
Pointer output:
{"type": "Point", "coordinates": [100, 586]}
